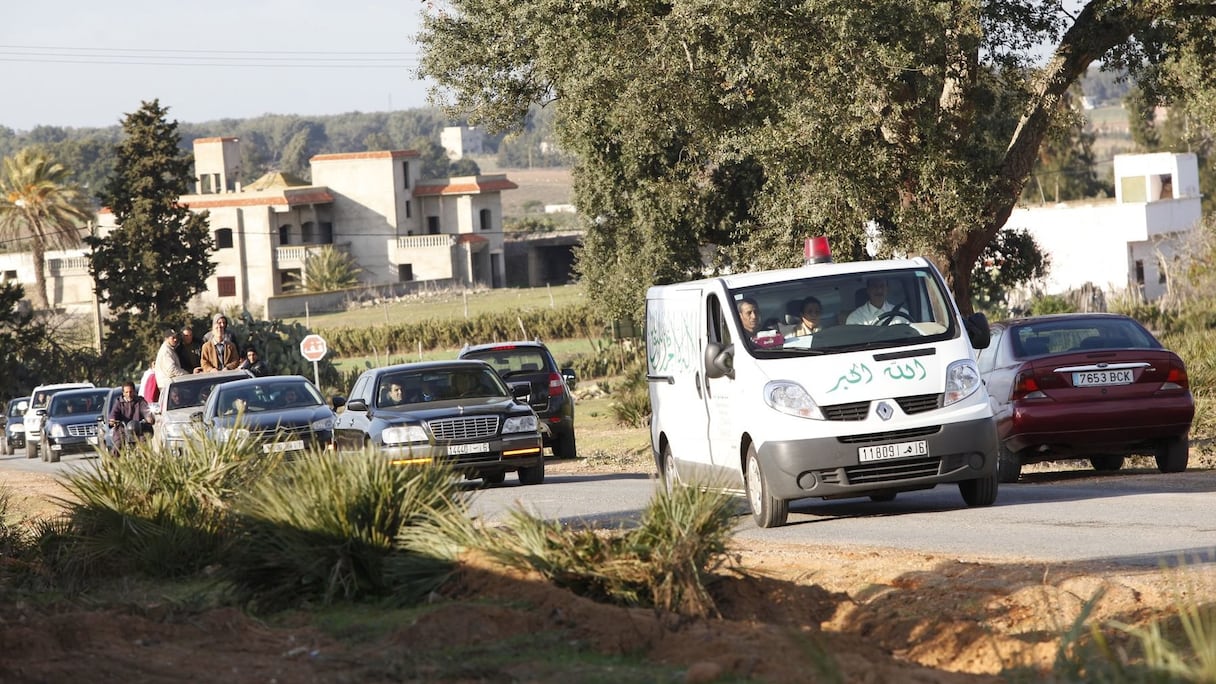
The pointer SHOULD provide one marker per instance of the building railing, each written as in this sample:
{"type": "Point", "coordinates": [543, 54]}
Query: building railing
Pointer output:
{"type": "Point", "coordinates": [417, 241]}
{"type": "Point", "coordinates": [65, 266]}
{"type": "Point", "coordinates": [299, 254]}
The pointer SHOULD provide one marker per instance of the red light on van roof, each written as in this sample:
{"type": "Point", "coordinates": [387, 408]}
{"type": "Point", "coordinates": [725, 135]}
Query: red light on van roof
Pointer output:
{"type": "Point", "coordinates": [816, 250]}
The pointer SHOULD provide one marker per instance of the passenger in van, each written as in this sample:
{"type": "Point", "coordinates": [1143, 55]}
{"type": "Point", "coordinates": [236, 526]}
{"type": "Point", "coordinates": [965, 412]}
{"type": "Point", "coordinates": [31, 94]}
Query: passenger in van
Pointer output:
{"type": "Point", "coordinates": [749, 315]}
{"type": "Point", "coordinates": [809, 317]}
{"type": "Point", "coordinates": [875, 306]}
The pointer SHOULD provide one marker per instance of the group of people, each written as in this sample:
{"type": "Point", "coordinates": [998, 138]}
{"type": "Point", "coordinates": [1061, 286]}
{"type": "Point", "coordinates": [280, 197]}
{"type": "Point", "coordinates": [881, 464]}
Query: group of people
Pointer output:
{"type": "Point", "coordinates": [178, 354]}
{"type": "Point", "coordinates": [810, 318]}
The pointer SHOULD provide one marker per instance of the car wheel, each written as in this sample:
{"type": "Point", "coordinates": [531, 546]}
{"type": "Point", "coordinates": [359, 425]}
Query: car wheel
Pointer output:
{"type": "Point", "coordinates": [671, 477]}
{"type": "Point", "coordinates": [31, 449]}
{"type": "Point", "coordinates": [1173, 453]}
{"type": "Point", "coordinates": [883, 497]}
{"type": "Point", "coordinates": [49, 455]}
{"type": "Point", "coordinates": [980, 492]}
{"type": "Point", "coordinates": [533, 475]}
{"type": "Point", "coordinates": [1107, 463]}
{"type": "Point", "coordinates": [6, 448]}
{"type": "Point", "coordinates": [767, 511]}
{"type": "Point", "coordinates": [1008, 465]}
{"type": "Point", "coordinates": [494, 477]}
{"type": "Point", "coordinates": [564, 446]}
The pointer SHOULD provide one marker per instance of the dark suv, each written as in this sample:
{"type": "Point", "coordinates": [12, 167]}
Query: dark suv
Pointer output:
{"type": "Point", "coordinates": [549, 387]}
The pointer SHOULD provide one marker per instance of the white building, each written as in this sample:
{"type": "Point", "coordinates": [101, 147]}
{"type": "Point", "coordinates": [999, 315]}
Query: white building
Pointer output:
{"type": "Point", "coordinates": [1120, 244]}
{"type": "Point", "coordinates": [461, 141]}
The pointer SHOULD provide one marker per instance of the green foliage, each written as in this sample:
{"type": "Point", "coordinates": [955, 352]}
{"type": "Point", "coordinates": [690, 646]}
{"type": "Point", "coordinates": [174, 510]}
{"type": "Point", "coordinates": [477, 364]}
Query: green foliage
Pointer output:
{"type": "Point", "coordinates": [1051, 304]}
{"type": "Point", "coordinates": [327, 528]}
{"type": "Point", "coordinates": [631, 403]}
{"type": "Point", "coordinates": [330, 269]}
{"type": "Point", "coordinates": [608, 359]}
{"type": "Point", "coordinates": [278, 344]}
{"type": "Point", "coordinates": [665, 562]}
{"type": "Point", "coordinates": [146, 513]}
{"type": "Point", "coordinates": [158, 257]}
{"type": "Point", "coordinates": [1010, 261]}
{"type": "Point", "coordinates": [38, 204]}
{"type": "Point", "coordinates": [463, 167]}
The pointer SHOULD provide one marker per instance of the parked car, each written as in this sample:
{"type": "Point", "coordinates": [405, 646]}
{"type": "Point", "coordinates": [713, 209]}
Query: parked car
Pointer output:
{"type": "Point", "coordinates": [549, 387]}
{"type": "Point", "coordinates": [39, 399]}
{"type": "Point", "coordinates": [456, 412]}
{"type": "Point", "coordinates": [182, 397]}
{"type": "Point", "coordinates": [282, 413]}
{"type": "Point", "coordinates": [14, 425]}
{"type": "Point", "coordinates": [1085, 386]}
{"type": "Point", "coordinates": [72, 418]}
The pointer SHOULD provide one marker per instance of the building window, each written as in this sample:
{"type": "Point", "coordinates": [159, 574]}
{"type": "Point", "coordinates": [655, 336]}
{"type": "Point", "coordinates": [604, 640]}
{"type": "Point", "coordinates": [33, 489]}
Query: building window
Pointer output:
{"type": "Point", "coordinates": [10, 275]}
{"type": "Point", "coordinates": [1165, 186]}
{"type": "Point", "coordinates": [432, 225]}
{"type": "Point", "coordinates": [405, 273]}
{"type": "Point", "coordinates": [409, 210]}
{"type": "Point", "coordinates": [291, 280]}
{"type": "Point", "coordinates": [405, 172]}
{"type": "Point", "coordinates": [223, 238]}
{"type": "Point", "coordinates": [484, 215]}
{"type": "Point", "coordinates": [284, 235]}
{"type": "Point", "coordinates": [308, 233]}
{"type": "Point", "coordinates": [327, 233]}
{"type": "Point", "coordinates": [1139, 272]}
{"type": "Point", "coordinates": [226, 285]}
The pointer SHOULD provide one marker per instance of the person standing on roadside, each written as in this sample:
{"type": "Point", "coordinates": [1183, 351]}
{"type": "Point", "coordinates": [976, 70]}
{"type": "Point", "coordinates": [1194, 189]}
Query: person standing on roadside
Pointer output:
{"type": "Point", "coordinates": [220, 351]}
{"type": "Point", "coordinates": [167, 363]}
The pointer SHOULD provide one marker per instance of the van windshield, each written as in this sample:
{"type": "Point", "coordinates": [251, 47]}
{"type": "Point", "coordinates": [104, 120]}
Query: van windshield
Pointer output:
{"type": "Point", "coordinates": [845, 312]}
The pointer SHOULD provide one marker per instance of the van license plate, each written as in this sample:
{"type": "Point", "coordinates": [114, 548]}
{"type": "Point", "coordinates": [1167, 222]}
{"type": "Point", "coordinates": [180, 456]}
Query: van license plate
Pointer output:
{"type": "Point", "coordinates": [900, 450]}
{"type": "Point", "coordinates": [479, 448]}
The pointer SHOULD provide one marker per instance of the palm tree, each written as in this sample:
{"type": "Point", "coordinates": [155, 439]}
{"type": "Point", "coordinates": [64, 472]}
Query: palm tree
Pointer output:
{"type": "Point", "coordinates": [330, 269]}
{"type": "Point", "coordinates": [36, 202]}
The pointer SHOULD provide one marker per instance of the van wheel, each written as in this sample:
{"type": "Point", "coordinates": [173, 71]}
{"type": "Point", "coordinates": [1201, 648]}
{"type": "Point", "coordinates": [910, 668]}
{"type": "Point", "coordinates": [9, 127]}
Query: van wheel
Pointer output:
{"type": "Point", "coordinates": [981, 492]}
{"type": "Point", "coordinates": [1106, 463]}
{"type": "Point", "coordinates": [766, 510]}
{"type": "Point", "coordinates": [671, 477]}
{"type": "Point", "coordinates": [1008, 465]}
{"type": "Point", "coordinates": [533, 475]}
{"type": "Point", "coordinates": [1173, 453]}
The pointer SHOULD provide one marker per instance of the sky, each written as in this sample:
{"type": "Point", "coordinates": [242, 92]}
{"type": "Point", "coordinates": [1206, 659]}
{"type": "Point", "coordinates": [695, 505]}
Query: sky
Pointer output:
{"type": "Point", "coordinates": [87, 64]}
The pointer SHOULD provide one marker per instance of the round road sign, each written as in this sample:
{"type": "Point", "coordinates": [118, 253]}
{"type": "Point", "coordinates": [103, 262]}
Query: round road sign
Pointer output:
{"type": "Point", "coordinates": [313, 347]}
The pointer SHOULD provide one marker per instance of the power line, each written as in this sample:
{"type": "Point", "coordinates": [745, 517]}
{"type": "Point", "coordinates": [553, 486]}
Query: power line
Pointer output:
{"type": "Point", "coordinates": [246, 59]}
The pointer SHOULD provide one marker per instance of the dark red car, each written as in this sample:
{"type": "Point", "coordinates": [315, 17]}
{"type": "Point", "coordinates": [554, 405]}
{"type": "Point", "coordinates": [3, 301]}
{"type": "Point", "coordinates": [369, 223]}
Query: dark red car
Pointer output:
{"type": "Point", "coordinates": [1085, 386]}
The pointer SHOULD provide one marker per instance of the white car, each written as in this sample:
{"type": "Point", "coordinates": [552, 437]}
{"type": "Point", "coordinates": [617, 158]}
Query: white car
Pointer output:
{"type": "Point", "coordinates": [34, 415]}
{"type": "Point", "coordinates": [183, 396]}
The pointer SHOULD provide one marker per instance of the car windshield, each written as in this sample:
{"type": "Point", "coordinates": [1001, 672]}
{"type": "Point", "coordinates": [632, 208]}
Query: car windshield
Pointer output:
{"type": "Point", "coordinates": [267, 396]}
{"type": "Point", "coordinates": [1071, 334]}
{"type": "Point", "coordinates": [191, 393]}
{"type": "Point", "coordinates": [508, 360]}
{"type": "Point", "coordinates": [415, 387]}
{"type": "Point", "coordinates": [844, 312]}
{"type": "Point", "coordinates": [75, 404]}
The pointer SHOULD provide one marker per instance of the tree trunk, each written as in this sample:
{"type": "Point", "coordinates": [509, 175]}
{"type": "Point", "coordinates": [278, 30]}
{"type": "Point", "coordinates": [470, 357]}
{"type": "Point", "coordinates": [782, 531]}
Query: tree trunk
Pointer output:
{"type": "Point", "coordinates": [41, 299]}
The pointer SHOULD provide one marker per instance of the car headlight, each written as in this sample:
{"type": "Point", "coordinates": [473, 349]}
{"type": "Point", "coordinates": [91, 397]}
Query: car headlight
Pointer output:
{"type": "Point", "coordinates": [225, 434]}
{"type": "Point", "coordinates": [519, 424]}
{"type": "Point", "coordinates": [790, 398]}
{"type": "Point", "coordinates": [58, 431]}
{"type": "Point", "coordinates": [962, 380]}
{"type": "Point", "coordinates": [323, 424]}
{"type": "Point", "coordinates": [405, 434]}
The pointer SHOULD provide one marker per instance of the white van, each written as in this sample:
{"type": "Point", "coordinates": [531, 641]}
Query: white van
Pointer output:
{"type": "Point", "coordinates": [873, 408]}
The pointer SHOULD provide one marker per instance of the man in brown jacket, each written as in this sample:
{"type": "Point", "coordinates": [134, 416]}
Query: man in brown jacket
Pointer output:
{"type": "Point", "coordinates": [219, 351]}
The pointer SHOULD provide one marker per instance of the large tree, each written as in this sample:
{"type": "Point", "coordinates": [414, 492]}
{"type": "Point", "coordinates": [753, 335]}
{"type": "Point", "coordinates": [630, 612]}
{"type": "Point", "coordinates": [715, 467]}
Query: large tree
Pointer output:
{"type": "Point", "coordinates": [752, 124]}
{"type": "Point", "coordinates": [159, 255]}
{"type": "Point", "coordinates": [39, 205]}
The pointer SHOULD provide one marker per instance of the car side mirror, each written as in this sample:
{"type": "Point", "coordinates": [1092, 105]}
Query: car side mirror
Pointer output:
{"type": "Point", "coordinates": [196, 417]}
{"type": "Point", "coordinates": [40, 412]}
{"type": "Point", "coordinates": [356, 405]}
{"type": "Point", "coordinates": [570, 378]}
{"type": "Point", "coordinates": [719, 360]}
{"type": "Point", "coordinates": [977, 330]}
{"type": "Point", "coordinates": [339, 402]}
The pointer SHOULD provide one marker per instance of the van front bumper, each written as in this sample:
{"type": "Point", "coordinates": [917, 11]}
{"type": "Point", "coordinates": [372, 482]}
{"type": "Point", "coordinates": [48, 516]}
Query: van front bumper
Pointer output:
{"type": "Point", "coordinates": [831, 467]}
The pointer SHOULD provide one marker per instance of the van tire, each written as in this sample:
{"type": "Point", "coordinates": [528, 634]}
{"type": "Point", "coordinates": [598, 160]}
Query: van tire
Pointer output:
{"type": "Point", "coordinates": [1106, 463]}
{"type": "Point", "coordinates": [31, 449]}
{"type": "Point", "coordinates": [1008, 465]}
{"type": "Point", "coordinates": [766, 510]}
{"type": "Point", "coordinates": [981, 492]}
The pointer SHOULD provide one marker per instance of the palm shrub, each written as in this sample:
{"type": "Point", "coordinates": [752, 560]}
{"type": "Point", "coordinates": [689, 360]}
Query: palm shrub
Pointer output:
{"type": "Point", "coordinates": [632, 403]}
{"type": "Point", "coordinates": [330, 528]}
{"type": "Point", "coordinates": [666, 562]}
{"type": "Point", "coordinates": [330, 269]}
{"type": "Point", "coordinates": [149, 512]}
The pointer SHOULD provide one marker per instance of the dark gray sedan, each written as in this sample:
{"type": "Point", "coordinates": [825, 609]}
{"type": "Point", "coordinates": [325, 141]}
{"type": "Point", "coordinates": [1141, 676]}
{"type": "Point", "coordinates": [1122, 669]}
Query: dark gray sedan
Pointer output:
{"type": "Point", "coordinates": [282, 413]}
{"type": "Point", "coordinates": [455, 412]}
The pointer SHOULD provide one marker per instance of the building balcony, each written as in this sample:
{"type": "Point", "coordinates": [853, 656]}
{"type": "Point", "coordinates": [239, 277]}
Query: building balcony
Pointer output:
{"type": "Point", "coordinates": [68, 266]}
{"type": "Point", "coordinates": [296, 256]}
{"type": "Point", "coordinates": [414, 248]}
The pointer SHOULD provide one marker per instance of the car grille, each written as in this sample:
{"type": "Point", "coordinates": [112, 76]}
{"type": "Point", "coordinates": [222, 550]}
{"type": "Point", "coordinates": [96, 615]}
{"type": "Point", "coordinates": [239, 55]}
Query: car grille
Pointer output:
{"type": "Point", "coordinates": [85, 430]}
{"type": "Point", "coordinates": [858, 410]}
{"type": "Point", "coordinates": [458, 429]}
{"type": "Point", "coordinates": [882, 471]}
{"type": "Point", "coordinates": [281, 433]}
{"type": "Point", "coordinates": [893, 436]}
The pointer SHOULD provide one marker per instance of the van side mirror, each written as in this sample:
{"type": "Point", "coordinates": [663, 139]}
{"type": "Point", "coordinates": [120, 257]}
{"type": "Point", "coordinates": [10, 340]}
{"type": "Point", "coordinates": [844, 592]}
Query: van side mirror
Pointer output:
{"type": "Point", "coordinates": [977, 330]}
{"type": "Point", "coordinates": [719, 360]}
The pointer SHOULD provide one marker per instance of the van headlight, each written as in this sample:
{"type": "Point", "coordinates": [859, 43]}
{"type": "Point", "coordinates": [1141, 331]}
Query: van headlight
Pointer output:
{"type": "Point", "coordinates": [962, 380]}
{"type": "Point", "coordinates": [175, 430]}
{"type": "Point", "coordinates": [790, 398]}
{"type": "Point", "coordinates": [405, 434]}
{"type": "Point", "coordinates": [519, 424]}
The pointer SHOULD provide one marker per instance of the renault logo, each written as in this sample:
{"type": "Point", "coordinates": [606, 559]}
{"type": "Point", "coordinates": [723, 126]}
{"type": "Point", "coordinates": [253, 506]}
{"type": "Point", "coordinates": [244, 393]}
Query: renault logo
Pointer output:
{"type": "Point", "coordinates": [884, 410]}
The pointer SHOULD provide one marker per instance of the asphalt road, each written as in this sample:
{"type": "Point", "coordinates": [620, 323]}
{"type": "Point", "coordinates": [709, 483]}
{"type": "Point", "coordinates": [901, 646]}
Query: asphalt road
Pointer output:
{"type": "Point", "coordinates": [1130, 517]}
